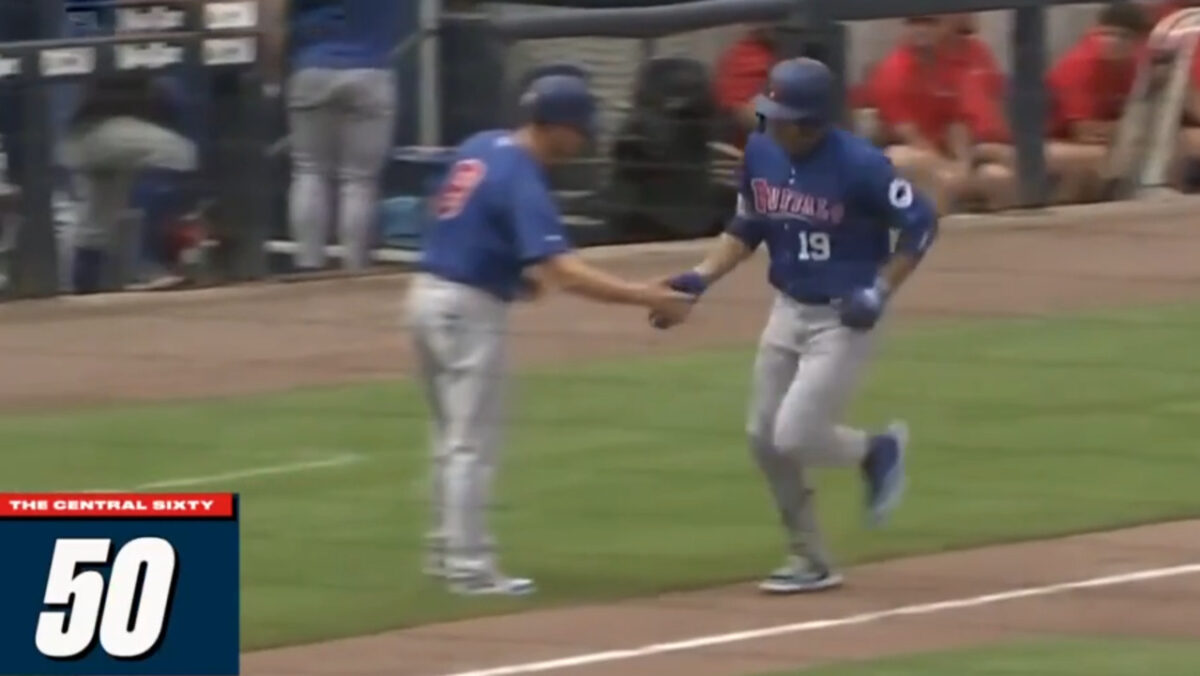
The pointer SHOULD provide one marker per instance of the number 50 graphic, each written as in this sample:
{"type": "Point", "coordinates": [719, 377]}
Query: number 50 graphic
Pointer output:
{"type": "Point", "coordinates": [128, 612]}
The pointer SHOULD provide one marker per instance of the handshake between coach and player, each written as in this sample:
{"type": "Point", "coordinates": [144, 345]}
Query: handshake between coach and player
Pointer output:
{"type": "Point", "coordinates": [822, 200]}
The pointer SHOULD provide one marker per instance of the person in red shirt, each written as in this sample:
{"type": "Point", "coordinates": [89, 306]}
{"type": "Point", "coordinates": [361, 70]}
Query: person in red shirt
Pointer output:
{"type": "Point", "coordinates": [971, 54]}
{"type": "Point", "coordinates": [983, 92]}
{"type": "Point", "coordinates": [741, 73]}
{"type": "Point", "coordinates": [918, 92]}
{"type": "Point", "coordinates": [1089, 86]}
{"type": "Point", "coordinates": [984, 96]}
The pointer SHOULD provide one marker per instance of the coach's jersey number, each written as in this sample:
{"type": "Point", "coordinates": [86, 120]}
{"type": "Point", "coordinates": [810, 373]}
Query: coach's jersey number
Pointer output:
{"type": "Point", "coordinates": [814, 246]}
{"type": "Point", "coordinates": [461, 181]}
{"type": "Point", "coordinates": [129, 617]}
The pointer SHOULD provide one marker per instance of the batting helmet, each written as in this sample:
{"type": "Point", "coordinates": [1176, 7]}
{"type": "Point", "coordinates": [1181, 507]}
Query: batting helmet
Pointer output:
{"type": "Point", "coordinates": [800, 90]}
{"type": "Point", "coordinates": [562, 100]}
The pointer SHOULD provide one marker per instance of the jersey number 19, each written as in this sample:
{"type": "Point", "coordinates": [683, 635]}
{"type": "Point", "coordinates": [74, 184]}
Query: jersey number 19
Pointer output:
{"type": "Point", "coordinates": [814, 246]}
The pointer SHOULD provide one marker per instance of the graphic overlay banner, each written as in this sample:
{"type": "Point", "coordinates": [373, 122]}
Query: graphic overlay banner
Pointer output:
{"type": "Point", "coordinates": [114, 583]}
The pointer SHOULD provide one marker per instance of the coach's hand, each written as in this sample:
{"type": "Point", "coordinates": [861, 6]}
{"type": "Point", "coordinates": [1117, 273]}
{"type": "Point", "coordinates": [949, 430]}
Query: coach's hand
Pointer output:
{"type": "Point", "coordinates": [862, 309]}
{"type": "Point", "coordinates": [668, 307]}
{"type": "Point", "coordinates": [691, 283]}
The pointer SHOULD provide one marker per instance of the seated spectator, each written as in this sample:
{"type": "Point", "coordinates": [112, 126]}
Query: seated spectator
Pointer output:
{"type": "Point", "coordinates": [1072, 168]}
{"type": "Point", "coordinates": [741, 73]}
{"type": "Point", "coordinates": [918, 93]}
{"type": "Point", "coordinates": [160, 195]}
{"type": "Point", "coordinates": [1090, 84]}
{"type": "Point", "coordinates": [124, 125]}
{"type": "Point", "coordinates": [983, 92]}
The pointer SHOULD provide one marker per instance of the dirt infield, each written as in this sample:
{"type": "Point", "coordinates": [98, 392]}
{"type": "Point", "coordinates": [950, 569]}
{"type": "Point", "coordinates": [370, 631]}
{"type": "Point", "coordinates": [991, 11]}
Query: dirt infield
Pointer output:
{"type": "Point", "coordinates": [273, 336]}
{"type": "Point", "coordinates": [921, 604]}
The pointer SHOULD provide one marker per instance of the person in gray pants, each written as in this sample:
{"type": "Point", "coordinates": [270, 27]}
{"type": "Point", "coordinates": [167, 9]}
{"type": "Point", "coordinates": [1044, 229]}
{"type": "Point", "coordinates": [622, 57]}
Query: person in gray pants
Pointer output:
{"type": "Point", "coordinates": [123, 126]}
{"type": "Point", "coordinates": [341, 101]}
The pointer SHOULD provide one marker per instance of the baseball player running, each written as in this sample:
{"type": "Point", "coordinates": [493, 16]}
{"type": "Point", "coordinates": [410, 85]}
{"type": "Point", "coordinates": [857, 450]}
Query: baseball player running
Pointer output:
{"type": "Point", "coordinates": [498, 237]}
{"type": "Point", "coordinates": [823, 201]}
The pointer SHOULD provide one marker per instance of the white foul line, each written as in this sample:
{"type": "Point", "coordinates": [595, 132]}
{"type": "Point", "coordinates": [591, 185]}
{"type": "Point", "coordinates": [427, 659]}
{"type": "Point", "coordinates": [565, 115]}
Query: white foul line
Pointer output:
{"type": "Point", "coordinates": [847, 621]}
{"type": "Point", "coordinates": [291, 468]}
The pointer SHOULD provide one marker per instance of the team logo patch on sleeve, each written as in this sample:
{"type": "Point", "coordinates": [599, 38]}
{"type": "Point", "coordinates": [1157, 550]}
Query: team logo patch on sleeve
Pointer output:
{"type": "Point", "coordinates": [900, 193]}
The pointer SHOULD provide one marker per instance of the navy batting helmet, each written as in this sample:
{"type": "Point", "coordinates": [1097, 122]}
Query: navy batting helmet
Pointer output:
{"type": "Point", "coordinates": [800, 90]}
{"type": "Point", "coordinates": [562, 100]}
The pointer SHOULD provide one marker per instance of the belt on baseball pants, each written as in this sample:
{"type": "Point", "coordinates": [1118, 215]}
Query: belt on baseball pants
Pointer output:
{"type": "Point", "coordinates": [811, 300]}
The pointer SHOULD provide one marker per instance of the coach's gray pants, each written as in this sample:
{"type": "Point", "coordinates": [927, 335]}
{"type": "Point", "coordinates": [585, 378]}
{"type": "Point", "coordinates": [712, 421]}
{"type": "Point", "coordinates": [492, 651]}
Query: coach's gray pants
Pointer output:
{"type": "Point", "coordinates": [104, 159]}
{"type": "Point", "coordinates": [459, 336]}
{"type": "Point", "coordinates": [806, 371]}
{"type": "Point", "coordinates": [342, 123]}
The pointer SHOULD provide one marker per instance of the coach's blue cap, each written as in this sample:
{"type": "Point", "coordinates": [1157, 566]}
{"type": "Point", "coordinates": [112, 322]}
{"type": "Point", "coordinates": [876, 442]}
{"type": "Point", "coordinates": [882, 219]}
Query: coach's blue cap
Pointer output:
{"type": "Point", "coordinates": [563, 100]}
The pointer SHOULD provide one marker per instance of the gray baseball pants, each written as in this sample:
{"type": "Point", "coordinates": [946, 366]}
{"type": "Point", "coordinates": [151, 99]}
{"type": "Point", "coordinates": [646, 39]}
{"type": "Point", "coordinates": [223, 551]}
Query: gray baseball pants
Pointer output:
{"type": "Point", "coordinates": [342, 122]}
{"type": "Point", "coordinates": [807, 369]}
{"type": "Point", "coordinates": [104, 159]}
{"type": "Point", "coordinates": [459, 334]}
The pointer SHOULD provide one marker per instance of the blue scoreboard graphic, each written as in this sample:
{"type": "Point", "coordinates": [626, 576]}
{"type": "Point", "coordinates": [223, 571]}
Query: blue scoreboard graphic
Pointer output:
{"type": "Point", "coordinates": [107, 583]}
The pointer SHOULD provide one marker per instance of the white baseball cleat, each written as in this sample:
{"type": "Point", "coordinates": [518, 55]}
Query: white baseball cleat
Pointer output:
{"type": "Point", "coordinates": [491, 583]}
{"type": "Point", "coordinates": [800, 576]}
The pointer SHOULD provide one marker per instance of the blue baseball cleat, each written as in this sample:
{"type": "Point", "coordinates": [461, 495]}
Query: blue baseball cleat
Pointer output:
{"type": "Point", "coordinates": [885, 473]}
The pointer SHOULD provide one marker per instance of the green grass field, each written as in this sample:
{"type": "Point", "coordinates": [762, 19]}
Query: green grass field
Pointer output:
{"type": "Point", "coordinates": [1097, 657]}
{"type": "Point", "coordinates": [627, 478]}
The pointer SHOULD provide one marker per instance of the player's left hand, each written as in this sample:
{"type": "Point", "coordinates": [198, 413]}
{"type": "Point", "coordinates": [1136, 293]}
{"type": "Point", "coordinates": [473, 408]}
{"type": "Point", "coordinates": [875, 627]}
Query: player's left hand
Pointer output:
{"type": "Point", "coordinates": [862, 309]}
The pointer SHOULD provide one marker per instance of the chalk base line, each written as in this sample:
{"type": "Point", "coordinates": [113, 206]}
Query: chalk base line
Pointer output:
{"type": "Point", "coordinates": [713, 640]}
{"type": "Point", "coordinates": [332, 462]}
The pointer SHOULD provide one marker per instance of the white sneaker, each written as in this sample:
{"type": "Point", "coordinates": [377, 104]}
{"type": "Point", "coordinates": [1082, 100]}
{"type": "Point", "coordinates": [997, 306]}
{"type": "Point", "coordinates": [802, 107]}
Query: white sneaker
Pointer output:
{"type": "Point", "coordinates": [491, 583]}
{"type": "Point", "coordinates": [800, 576]}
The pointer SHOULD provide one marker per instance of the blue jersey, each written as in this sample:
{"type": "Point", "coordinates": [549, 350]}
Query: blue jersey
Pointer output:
{"type": "Point", "coordinates": [495, 215]}
{"type": "Point", "coordinates": [346, 34]}
{"type": "Point", "coordinates": [826, 217]}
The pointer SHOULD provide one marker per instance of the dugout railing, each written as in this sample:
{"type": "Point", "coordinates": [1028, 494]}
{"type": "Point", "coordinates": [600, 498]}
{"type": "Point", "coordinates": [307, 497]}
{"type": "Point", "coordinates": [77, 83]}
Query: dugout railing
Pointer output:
{"type": "Point", "coordinates": [213, 48]}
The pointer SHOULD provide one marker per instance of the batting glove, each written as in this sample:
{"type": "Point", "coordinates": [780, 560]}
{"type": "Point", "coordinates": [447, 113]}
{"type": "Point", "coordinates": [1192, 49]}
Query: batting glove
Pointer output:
{"type": "Point", "coordinates": [862, 309]}
{"type": "Point", "coordinates": [690, 282]}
